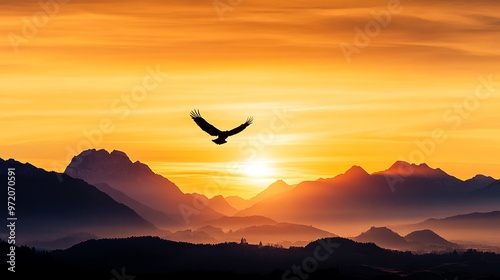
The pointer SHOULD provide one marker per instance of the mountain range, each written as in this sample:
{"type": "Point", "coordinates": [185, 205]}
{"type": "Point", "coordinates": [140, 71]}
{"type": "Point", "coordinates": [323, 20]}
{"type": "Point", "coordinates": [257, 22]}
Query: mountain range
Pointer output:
{"type": "Point", "coordinates": [48, 208]}
{"type": "Point", "coordinates": [105, 194]}
{"type": "Point", "coordinates": [401, 193]}
{"type": "Point", "coordinates": [462, 228]}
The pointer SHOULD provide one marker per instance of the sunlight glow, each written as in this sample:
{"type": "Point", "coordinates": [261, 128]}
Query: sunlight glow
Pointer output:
{"type": "Point", "coordinates": [257, 169]}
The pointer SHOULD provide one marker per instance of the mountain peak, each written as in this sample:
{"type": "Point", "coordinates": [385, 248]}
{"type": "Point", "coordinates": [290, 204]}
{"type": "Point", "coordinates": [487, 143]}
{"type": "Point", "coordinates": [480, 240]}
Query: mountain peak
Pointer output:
{"type": "Point", "coordinates": [274, 189]}
{"type": "Point", "coordinates": [406, 169]}
{"type": "Point", "coordinates": [135, 180]}
{"type": "Point", "coordinates": [481, 176]}
{"type": "Point", "coordinates": [120, 154]}
{"type": "Point", "coordinates": [380, 232]}
{"type": "Point", "coordinates": [375, 229]}
{"type": "Point", "coordinates": [279, 184]}
{"type": "Point", "coordinates": [356, 171]}
{"type": "Point", "coordinates": [114, 162]}
{"type": "Point", "coordinates": [427, 236]}
{"type": "Point", "coordinates": [382, 236]}
{"type": "Point", "coordinates": [479, 181]}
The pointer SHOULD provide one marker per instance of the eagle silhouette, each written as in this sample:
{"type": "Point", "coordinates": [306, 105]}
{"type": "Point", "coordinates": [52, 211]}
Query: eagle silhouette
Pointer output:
{"type": "Point", "coordinates": [212, 130]}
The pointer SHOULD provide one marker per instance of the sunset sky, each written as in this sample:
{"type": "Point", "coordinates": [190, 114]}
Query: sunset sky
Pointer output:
{"type": "Point", "coordinates": [423, 66]}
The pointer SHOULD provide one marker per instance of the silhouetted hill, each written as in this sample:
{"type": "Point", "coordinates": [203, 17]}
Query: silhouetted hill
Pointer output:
{"type": "Point", "coordinates": [32, 263]}
{"type": "Point", "coordinates": [235, 223]}
{"type": "Point", "coordinates": [429, 237]}
{"type": "Point", "coordinates": [479, 181]}
{"type": "Point", "coordinates": [331, 258]}
{"type": "Point", "coordinates": [417, 241]}
{"type": "Point", "coordinates": [137, 180]}
{"type": "Point", "coordinates": [195, 237]}
{"type": "Point", "coordinates": [472, 220]}
{"type": "Point", "coordinates": [216, 232]}
{"type": "Point", "coordinates": [280, 233]}
{"type": "Point", "coordinates": [491, 190]}
{"type": "Point", "coordinates": [48, 208]}
{"type": "Point", "coordinates": [468, 227]}
{"type": "Point", "coordinates": [384, 237]}
{"type": "Point", "coordinates": [63, 242]}
{"type": "Point", "coordinates": [284, 234]}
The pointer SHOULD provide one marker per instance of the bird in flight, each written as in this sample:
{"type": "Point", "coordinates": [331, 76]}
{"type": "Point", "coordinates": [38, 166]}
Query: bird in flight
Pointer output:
{"type": "Point", "coordinates": [212, 130]}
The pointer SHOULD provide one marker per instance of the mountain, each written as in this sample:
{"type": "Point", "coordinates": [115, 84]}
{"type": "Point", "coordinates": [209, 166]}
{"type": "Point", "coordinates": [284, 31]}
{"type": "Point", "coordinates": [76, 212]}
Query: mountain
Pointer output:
{"type": "Point", "coordinates": [237, 202]}
{"type": "Point", "coordinates": [156, 217]}
{"type": "Point", "coordinates": [324, 202]}
{"type": "Point", "coordinates": [383, 237]}
{"type": "Point", "coordinates": [479, 181]}
{"type": "Point", "coordinates": [402, 192]}
{"type": "Point", "coordinates": [405, 169]}
{"type": "Point", "coordinates": [489, 220]}
{"type": "Point", "coordinates": [136, 180]}
{"type": "Point", "coordinates": [215, 232]}
{"type": "Point", "coordinates": [491, 190]}
{"type": "Point", "coordinates": [421, 181]}
{"type": "Point", "coordinates": [417, 241]}
{"type": "Point", "coordinates": [465, 228]}
{"type": "Point", "coordinates": [272, 190]}
{"type": "Point", "coordinates": [49, 208]}
{"type": "Point", "coordinates": [217, 203]}
{"type": "Point", "coordinates": [428, 237]}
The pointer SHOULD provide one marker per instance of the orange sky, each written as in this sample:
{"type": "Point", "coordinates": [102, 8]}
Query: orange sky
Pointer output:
{"type": "Point", "coordinates": [66, 73]}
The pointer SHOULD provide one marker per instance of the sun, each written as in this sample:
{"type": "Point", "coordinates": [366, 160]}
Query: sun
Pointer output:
{"type": "Point", "coordinates": [257, 169]}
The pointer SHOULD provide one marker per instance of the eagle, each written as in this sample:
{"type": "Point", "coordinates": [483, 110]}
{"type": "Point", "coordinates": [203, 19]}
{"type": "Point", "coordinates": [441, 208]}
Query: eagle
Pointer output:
{"type": "Point", "coordinates": [212, 130]}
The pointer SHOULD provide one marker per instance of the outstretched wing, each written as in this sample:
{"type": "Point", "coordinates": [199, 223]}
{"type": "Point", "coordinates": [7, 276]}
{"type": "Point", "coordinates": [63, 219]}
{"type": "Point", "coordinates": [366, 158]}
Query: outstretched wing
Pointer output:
{"type": "Point", "coordinates": [203, 124]}
{"type": "Point", "coordinates": [240, 128]}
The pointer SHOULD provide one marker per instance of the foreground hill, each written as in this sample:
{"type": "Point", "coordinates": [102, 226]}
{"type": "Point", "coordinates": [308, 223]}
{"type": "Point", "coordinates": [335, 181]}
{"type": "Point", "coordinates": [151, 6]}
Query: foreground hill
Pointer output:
{"type": "Point", "coordinates": [332, 258]}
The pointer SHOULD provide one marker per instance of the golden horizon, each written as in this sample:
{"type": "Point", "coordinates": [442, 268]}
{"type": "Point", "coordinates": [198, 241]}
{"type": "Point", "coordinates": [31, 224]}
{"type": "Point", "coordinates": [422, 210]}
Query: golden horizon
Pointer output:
{"type": "Point", "coordinates": [329, 84]}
